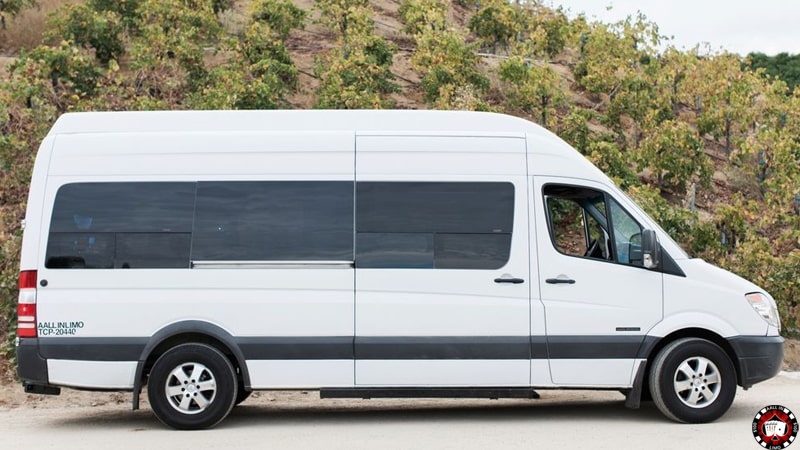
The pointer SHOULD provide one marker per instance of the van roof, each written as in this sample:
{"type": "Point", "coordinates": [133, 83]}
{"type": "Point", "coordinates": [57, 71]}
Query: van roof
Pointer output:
{"type": "Point", "coordinates": [553, 156]}
{"type": "Point", "coordinates": [296, 120]}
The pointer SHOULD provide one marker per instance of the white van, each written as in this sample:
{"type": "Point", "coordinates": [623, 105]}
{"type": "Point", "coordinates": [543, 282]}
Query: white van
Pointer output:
{"type": "Point", "coordinates": [364, 254]}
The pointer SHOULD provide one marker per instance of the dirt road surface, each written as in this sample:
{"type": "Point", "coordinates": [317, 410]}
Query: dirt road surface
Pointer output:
{"type": "Point", "coordinates": [297, 420]}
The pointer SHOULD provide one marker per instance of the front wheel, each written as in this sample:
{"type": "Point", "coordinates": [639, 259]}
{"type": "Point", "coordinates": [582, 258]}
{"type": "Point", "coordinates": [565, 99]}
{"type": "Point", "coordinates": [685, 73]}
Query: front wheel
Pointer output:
{"type": "Point", "coordinates": [192, 386]}
{"type": "Point", "coordinates": [693, 380]}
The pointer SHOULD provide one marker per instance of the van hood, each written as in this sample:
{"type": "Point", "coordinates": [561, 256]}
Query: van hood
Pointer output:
{"type": "Point", "coordinates": [719, 279]}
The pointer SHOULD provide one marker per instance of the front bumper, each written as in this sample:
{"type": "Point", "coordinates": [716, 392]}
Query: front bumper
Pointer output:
{"type": "Point", "coordinates": [758, 358]}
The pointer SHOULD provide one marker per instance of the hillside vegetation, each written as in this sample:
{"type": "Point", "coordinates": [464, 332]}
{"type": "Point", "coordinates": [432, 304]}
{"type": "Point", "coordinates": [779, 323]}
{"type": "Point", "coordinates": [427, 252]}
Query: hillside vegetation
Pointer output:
{"type": "Point", "coordinates": [782, 65]}
{"type": "Point", "coordinates": [707, 144]}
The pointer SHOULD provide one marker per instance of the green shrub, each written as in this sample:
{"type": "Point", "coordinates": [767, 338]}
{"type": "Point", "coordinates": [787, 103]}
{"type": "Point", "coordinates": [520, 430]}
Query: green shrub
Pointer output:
{"type": "Point", "coordinates": [282, 16]}
{"type": "Point", "coordinates": [534, 88]}
{"type": "Point", "coordinates": [420, 16]}
{"type": "Point", "coordinates": [447, 61]}
{"type": "Point", "coordinates": [101, 31]}
{"type": "Point", "coordinates": [674, 152]}
{"type": "Point", "coordinates": [357, 74]}
{"type": "Point", "coordinates": [127, 10]}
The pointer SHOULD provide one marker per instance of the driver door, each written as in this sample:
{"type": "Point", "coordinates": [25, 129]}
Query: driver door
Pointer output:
{"type": "Point", "coordinates": [599, 300]}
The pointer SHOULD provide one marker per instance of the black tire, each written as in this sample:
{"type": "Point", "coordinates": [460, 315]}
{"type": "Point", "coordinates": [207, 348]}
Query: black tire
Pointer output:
{"type": "Point", "coordinates": [692, 381]}
{"type": "Point", "coordinates": [191, 387]}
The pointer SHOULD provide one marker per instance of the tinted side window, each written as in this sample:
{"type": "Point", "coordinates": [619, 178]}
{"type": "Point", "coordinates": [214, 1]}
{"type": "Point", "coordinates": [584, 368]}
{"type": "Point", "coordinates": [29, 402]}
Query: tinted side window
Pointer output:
{"type": "Point", "coordinates": [124, 225]}
{"type": "Point", "coordinates": [434, 225]}
{"type": "Point", "coordinates": [472, 251]}
{"type": "Point", "coordinates": [273, 221]}
{"type": "Point", "coordinates": [388, 250]}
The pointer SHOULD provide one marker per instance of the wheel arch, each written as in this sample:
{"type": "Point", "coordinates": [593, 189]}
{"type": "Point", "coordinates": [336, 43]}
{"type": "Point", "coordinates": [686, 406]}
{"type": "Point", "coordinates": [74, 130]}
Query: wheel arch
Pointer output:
{"type": "Point", "coordinates": [652, 346]}
{"type": "Point", "coordinates": [184, 332]}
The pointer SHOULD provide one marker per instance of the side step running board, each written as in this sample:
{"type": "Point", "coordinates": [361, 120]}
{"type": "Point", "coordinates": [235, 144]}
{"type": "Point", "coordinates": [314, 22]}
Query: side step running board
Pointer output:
{"type": "Point", "coordinates": [416, 392]}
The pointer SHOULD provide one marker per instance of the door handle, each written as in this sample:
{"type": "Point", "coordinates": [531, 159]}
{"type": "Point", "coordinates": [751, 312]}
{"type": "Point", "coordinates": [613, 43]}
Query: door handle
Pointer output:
{"type": "Point", "coordinates": [509, 280]}
{"type": "Point", "coordinates": [559, 281]}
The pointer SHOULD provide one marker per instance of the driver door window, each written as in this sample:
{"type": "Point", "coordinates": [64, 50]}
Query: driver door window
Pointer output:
{"type": "Point", "coordinates": [588, 223]}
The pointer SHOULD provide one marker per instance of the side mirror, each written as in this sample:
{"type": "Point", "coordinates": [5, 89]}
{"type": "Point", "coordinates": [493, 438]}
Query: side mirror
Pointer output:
{"type": "Point", "coordinates": [651, 250]}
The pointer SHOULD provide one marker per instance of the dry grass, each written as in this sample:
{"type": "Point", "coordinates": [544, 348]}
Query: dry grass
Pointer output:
{"type": "Point", "coordinates": [25, 31]}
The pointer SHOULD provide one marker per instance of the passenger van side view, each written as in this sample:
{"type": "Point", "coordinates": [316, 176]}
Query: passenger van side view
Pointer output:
{"type": "Point", "coordinates": [365, 254]}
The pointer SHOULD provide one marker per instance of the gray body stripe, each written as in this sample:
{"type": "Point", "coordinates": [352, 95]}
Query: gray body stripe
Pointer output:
{"type": "Point", "coordinates": [93, 349]}
{"type": "Point", "coordinates": [593, 347]}
{"type": "Point", "coordinates": [371, 348]}
{"type": "Point", "coordinates": [443, 347]}
{"type": "Point", "coordinates": [323, 347]}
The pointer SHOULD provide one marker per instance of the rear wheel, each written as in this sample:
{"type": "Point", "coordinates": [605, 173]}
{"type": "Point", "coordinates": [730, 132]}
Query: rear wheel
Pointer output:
{"type": "Point", "coordinates": [693, 380]}
{"type": "Point", "coordinates": [192, 386]}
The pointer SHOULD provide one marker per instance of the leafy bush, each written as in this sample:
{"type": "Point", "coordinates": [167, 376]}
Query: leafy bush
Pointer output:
{"type": "Point", "coordinates": [497, 22]}
{"type": "Point", "coordinates": [449, 66]}
{"type": "Point", "coordinates": [549, 29]}
{"type": "Point", "coordinates": [420, 16]}
{"type": "Point", "coordinates": [88, 28]}
{"type": "Point", "coordinates": [611, 53]}
{"type": "Point", "coordinates": [359, 77]}
{"type": "Point", "coordinates": [501, 23]}
{"type": "Point", "coordinates": [674, 152]}
{"type": "Point", "coordinates": [127, 10]}
{"type": "Point", "coordinates": [575, 128]}
{"type": "Point", "coordinates": [259, 76]}
{"type": "Point", "coordinates": [609, 157]}
{"type": "Point", "coordinates": [534, 88]}
{"type": "Point", "coordinates": [726, 99]}
{"type": "Point", "coordinates": [345, 17]}
{"type": "Point", "coordinates": [446, 62]}
{"type": "Point", "coordinates": [168, 56]}
{"type": "Point", "coordinates": [69, 71]}
{"type": "Point", "coordinates": [282, 16]}
{"type": "Point", "coordinates": [357, 74]}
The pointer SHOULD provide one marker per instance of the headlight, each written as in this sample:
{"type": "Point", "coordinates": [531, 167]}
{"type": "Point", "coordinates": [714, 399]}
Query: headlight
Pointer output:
{"type": "Point", "coordinates": [765, 307]}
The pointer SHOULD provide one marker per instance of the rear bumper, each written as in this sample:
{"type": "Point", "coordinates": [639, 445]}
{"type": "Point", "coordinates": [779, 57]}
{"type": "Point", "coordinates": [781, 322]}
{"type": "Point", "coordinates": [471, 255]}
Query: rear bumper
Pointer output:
{"type": "Point", "coordinates": [759, 358]}
{"type": "Point", "coordinates": [31, 367]}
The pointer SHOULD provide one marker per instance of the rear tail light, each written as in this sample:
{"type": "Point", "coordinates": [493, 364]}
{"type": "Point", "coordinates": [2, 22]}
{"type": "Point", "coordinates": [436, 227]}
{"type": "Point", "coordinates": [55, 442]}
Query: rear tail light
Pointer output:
{"type": "Point", "coordinates": [26, 304]}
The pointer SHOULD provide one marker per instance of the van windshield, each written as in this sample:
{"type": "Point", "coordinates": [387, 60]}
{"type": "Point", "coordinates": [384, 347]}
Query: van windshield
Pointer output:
{"type": "Point", "coordinates": [683, 254]}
